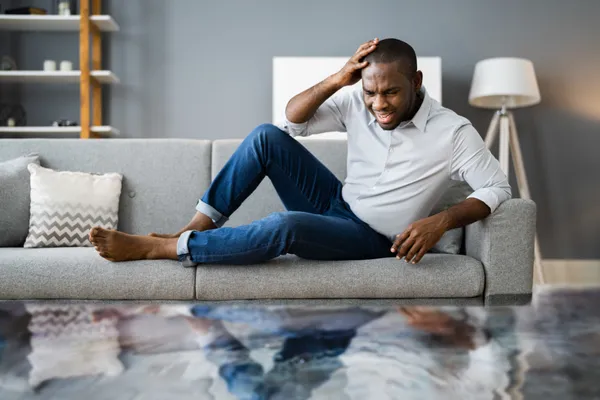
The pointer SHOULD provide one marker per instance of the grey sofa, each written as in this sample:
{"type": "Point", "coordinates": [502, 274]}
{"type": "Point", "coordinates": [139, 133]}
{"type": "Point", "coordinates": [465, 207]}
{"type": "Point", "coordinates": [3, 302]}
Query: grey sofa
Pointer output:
{"type": "Point", "coordinates": [163, 180]}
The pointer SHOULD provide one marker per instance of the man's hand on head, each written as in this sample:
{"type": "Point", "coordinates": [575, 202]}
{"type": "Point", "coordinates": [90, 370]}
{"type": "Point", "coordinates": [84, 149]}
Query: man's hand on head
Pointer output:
{"type": "Point", "coordinates": [419, 237]}
{"type": "Point", "coordinates": [351, 72]}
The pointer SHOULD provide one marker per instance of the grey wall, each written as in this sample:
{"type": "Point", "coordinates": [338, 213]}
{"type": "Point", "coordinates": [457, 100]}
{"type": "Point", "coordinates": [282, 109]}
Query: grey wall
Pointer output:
{"type": "Point", "coordinates": [202, 69]}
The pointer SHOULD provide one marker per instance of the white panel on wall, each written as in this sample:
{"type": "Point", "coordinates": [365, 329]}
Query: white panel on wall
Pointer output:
{"type": "Point", "coordinates": [292, 75]}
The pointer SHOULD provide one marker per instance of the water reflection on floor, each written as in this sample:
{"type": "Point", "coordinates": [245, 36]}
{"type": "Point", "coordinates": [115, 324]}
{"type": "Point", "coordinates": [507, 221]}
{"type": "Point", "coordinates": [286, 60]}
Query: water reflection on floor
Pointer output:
{"type": "Point", "coordinates": [548, 350]}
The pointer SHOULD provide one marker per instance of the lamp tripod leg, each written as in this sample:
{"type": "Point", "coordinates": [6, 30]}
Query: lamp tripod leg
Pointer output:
{"type": "Point", "coordinates": [524, 191]}
{"type": "Point", "coordinates": [504, 149]}
{"type": "Point", "coordinates": [492, 131]}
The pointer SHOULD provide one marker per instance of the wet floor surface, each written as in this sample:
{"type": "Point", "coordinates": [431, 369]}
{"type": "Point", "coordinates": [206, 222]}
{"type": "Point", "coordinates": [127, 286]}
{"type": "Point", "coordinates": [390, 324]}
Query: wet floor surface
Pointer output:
{"type": "Point", "coordinates": [547, 350]}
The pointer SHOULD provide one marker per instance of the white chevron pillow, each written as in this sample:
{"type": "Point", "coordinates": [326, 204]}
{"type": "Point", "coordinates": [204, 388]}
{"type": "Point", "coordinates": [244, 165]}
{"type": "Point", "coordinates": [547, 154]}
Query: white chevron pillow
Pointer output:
{"type": "Point", "coordinates": [66, 205]}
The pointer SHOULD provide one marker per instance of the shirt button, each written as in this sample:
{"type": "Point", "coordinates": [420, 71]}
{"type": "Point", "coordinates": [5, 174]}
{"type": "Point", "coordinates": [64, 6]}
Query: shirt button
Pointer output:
{"type": "Point", "coordinates": [391, 150]}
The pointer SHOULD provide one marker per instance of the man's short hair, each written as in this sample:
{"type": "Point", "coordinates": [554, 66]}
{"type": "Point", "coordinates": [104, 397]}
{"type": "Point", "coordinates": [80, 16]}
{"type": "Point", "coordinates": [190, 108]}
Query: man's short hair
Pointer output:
{"type": "Point", "coordinates": [394, 50]}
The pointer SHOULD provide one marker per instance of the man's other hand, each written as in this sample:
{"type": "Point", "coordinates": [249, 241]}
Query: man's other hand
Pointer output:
{"type": "Point", "coordinates": [419, 237]}
{"type": "Point", "coordinates": [426, 319]}
{"type": "Point", "coordinates": [350, 73]}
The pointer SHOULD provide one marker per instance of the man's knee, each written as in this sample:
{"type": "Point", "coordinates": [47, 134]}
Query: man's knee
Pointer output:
{"type": "Point", "coordinates": [288, 225]}
{"type": "Point", "coordinates": [296, 232]}
{"type": "Point", "coordinates": [264, 132]}
{"type": "Point", "coordinates": [282, 223]}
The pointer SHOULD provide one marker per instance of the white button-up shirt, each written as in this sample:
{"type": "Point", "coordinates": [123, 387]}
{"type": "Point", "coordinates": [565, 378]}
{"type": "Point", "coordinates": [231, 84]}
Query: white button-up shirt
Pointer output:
{"type": "Point", "coordinates": [396, 177]}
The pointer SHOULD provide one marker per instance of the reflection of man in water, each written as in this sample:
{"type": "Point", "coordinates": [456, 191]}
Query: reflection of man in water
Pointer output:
{"type": "Point", "coordinates": [315, 341]}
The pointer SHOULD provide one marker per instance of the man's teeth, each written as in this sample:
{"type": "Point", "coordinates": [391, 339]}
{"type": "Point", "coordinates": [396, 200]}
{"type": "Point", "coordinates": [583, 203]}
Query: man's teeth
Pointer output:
{"type": "Point", "coordinates": [384, 117]}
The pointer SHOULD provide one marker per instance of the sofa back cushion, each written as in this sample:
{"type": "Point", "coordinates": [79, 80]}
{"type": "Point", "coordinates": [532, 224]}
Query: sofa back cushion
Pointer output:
{"type": "Point", "coordinates": [14, 199]}
{"type": "Point", "coordinates": [265, 200]}
{"type": "Point", "coordinates": [162, 178]}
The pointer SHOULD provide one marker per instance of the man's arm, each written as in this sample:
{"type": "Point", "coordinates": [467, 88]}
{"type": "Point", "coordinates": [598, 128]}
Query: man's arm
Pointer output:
{"type": "Point", "coordinates": [471, 162]}
{"type": "Point", "coordinates": [303, 106]}
{"type": "Point", "coordinates": [464, 213]}
{"type": "Point", "coordinates": [314, 110]}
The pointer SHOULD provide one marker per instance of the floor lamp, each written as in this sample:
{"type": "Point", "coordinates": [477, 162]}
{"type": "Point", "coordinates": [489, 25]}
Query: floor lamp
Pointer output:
{"type": "Point", "coordinates": [503, 84]}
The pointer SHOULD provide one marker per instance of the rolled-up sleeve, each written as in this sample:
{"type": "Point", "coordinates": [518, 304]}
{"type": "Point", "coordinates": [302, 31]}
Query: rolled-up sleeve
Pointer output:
{"type": "Point", "coordinates": [329, 117]}
{"type": "Point", "coordinates": [473, 163]}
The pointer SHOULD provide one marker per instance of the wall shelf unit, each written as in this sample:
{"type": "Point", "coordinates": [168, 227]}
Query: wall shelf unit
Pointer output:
{"type": "Point", "coordinates": [90, 24]}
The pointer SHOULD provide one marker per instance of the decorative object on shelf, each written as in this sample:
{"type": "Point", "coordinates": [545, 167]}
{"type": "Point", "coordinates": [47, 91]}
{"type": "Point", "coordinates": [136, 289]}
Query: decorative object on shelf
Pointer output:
{"type": "Point", "coordinates": [66, 7]}
{"type": "Point", "coordinates": [66, 66]}
{"type": "Point", "coordinates": [63, 8]}
{"type": "Point", "coordinates": [26, 11]}
{"type": "Point", "coordinates": [64, 122]}
{"type": "Point", "coordinates": [13, 112]}
{"type": "Point", "coordinates": [502, 84]}
{"type": "Point", "coordinates": [49, 65]}
{"type": "Point", "coordinates": [8, 64]}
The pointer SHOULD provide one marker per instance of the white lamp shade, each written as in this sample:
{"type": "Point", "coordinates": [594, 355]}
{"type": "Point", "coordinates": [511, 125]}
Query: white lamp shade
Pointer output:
{"type": "Point", "coordinates": [504, 81]}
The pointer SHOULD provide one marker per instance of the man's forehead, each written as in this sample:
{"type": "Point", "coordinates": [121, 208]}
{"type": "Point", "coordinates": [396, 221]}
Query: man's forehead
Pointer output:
{"type": "Point", "coordinates": [387, 77]}
{"type": "Point", "coordinates": [390, 71]}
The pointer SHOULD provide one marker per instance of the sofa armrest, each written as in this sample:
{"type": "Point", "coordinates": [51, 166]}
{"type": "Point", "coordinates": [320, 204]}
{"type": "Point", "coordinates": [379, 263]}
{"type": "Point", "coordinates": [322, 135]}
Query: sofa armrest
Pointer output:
{"type": "Point", "coordinates": [503, 242]}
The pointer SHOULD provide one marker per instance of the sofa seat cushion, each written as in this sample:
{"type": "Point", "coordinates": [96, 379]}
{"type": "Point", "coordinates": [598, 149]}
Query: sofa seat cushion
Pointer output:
{"type": "Point", "coordinates": [80, 273]}
{"type": "Point", "coordinates": [290, 277]}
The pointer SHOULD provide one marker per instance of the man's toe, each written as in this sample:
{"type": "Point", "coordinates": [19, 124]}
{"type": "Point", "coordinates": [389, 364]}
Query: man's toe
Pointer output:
{"type": "Point", "coordinates": [106, 256]}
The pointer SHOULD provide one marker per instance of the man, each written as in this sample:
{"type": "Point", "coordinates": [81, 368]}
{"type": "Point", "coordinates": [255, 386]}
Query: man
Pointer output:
{"type": "Point", "coordinates": [403, 150]}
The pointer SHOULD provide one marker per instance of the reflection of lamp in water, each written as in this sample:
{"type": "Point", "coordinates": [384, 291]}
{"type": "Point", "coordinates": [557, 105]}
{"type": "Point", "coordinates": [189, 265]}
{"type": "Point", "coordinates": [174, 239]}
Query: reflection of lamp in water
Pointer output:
{"type": "Point", "coordinates": [502, 84]}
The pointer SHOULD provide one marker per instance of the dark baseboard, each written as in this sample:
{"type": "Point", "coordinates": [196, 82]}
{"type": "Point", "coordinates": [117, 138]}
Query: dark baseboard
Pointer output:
{"type": "Point", "coordinates": [508, 299]}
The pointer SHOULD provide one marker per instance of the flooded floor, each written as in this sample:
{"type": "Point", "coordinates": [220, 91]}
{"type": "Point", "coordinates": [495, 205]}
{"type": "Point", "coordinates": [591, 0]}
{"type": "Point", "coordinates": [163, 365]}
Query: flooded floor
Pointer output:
{"type": "Point", "coordinates": [547, 350]}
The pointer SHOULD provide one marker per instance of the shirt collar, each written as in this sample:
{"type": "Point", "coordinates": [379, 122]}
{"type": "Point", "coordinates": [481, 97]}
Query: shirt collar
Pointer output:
{"type": "Point", "coordinates": [422, 115]}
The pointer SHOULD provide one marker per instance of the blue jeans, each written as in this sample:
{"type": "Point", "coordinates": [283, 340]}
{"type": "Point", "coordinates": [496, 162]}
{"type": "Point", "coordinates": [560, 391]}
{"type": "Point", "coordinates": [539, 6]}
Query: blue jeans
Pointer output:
{"type": "Point", "coordinates": [318, 223]}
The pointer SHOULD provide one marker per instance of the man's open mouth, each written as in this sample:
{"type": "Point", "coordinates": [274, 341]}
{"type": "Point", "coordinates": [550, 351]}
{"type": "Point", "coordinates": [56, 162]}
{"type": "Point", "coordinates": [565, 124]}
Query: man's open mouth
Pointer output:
{"type": "Point", "coordinates": [384, 118]}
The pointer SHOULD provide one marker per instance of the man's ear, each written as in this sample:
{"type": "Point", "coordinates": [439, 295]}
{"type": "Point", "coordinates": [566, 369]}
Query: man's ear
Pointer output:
{"type": "Point", "coordinates": [418, 80]}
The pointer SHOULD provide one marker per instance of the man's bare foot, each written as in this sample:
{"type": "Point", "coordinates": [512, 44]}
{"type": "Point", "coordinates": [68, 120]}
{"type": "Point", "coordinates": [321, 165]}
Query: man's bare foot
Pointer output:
{"type": "Point", "coordinates": [200, 222]}
{"type": "Point", "coordinates": [119, 246]}
{"type": "Point", "coordinates": [200, 325]}
{"type": "Point", "coordinates": [166, 235]}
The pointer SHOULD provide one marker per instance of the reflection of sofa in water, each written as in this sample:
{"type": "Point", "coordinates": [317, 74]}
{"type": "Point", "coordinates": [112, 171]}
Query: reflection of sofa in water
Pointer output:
{"type": "Point", "coordinates": [163, 180]}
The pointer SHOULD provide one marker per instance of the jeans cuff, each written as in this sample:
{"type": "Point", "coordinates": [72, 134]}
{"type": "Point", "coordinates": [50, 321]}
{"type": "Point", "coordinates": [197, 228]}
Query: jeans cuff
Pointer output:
{"type": "Point", "coordinates": [218, 218]}
{"type": "Point", "coordinates": [183, 252]}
